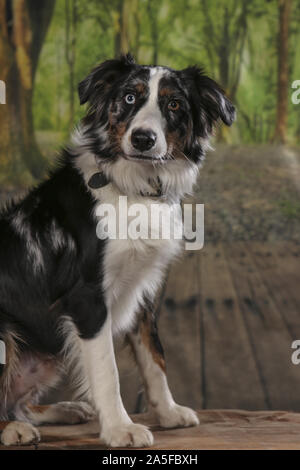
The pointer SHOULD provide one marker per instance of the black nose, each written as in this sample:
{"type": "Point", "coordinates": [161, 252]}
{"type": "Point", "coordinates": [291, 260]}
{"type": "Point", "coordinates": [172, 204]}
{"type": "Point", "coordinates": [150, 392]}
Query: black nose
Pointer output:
{"type": "Point", "coordinates": [143, 139]}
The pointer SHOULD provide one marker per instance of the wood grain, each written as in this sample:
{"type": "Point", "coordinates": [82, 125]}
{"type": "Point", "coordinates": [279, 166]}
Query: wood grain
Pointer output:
{"type": "Point", "coordinates": [219, 429]}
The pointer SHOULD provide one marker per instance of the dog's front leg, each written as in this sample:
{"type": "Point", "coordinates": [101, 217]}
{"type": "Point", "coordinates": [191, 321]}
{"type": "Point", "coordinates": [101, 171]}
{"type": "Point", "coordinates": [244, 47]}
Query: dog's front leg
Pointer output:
{"type": "Point", "coordinates": [150, 358]}
{"type": "Point", "coordinates": [116, 427]}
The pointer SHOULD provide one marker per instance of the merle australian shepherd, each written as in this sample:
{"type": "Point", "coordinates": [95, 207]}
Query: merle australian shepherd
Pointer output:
{"type": "Point", "coordinates": [65, 293]}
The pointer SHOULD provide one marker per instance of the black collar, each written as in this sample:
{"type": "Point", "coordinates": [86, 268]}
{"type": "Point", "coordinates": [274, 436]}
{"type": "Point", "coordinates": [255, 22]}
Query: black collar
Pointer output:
{"type": "Point", "coordinates": [99, 180]}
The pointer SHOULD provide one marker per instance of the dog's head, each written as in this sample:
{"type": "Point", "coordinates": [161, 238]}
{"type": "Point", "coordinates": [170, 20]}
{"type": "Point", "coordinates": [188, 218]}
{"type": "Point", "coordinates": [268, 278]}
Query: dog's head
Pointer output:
{"type": "Point", "coordinates": [151, 121]}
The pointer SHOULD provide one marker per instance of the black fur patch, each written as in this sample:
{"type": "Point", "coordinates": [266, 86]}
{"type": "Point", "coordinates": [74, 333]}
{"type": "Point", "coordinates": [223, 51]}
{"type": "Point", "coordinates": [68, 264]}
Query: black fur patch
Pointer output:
{"type": "Point", "coordinates": [56, 220]}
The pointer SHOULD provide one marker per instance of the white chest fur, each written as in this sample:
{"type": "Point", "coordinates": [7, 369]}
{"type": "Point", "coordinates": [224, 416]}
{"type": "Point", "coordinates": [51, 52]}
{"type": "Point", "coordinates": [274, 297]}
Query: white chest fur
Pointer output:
{"type": "Point", "coordinates": [133, 269]}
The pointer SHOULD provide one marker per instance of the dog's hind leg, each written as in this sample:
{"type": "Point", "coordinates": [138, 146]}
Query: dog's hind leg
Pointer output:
{"type": "Point", "coordinates": [18, 433]}
{"type": "Point", "coordinates": [66, 412]}
{"type": "Point", "coordinates": [11, 387]}
{"type": "Point", "coordinates": [23, 431]}
{"type": "Point", "coordinates": [149, 355]}
{"type": "Point", "coordinates": [32, 375]}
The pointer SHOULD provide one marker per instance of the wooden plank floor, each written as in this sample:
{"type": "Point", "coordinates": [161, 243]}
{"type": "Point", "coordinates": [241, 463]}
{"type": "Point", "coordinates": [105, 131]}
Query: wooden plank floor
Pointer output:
{"type": "Point", "coordinates": [219, 429]}
{"type": "Point", "coordinates": [228, 317]}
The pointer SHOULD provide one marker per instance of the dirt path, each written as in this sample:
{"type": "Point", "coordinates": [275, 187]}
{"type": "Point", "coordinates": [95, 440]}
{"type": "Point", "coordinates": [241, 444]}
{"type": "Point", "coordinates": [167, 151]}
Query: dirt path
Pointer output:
{"type": "Point", "coordinates": [251, 193]}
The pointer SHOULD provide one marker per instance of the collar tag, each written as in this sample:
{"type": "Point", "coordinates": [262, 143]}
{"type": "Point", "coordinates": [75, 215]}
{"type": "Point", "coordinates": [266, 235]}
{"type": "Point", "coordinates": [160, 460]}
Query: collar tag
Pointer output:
{"type": "Point", "coordinates": [2, 352]}
{"type": "Point", "coordinates": [98, 180]}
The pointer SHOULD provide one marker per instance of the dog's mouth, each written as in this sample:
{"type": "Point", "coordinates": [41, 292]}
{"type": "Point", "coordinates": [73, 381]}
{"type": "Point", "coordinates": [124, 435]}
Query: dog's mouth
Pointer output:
{"type": "Point", "coordinates": [146, 158]}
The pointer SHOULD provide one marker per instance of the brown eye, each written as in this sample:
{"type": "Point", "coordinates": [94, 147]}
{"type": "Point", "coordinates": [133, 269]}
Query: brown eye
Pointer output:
{"type": "Point", "coordinates": [173, 105]}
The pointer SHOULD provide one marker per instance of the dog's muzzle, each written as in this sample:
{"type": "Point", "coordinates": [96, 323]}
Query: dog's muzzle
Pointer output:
{"type": "Point", "coordinates": [143, 139]}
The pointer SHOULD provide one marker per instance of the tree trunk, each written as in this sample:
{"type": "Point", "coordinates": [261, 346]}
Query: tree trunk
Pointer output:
{"type": "Point", "coordinates": [224, 51]}
{"type": "Point", "coordinates": [283, 71]}
{"type": "Point", "coordinates": [134, 28]}
{"type": "Point", "coordinates": [229, 49]}
{"type": "Point", "coordinates": [23, 26]}
{"type": "Point", "coordinates": [117, 24]}
{"type": "Point", "coordinates": [152, 12]}
{"type": "Point", "coordinates": [71, 26]}
{"type": "Point", "coordinates": [126, 27]}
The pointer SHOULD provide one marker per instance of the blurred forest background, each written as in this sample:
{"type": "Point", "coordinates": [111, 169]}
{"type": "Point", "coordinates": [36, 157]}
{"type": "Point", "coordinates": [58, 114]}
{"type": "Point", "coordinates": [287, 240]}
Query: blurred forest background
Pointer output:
{"type": "Point", "coordinates": [47, 47]}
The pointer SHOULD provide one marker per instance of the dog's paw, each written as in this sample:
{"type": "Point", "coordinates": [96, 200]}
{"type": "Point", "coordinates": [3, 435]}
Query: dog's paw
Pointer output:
{"type": "Point", "coordinates": [129, 435]}
{"type": "Point", "coordinates": [19, 433]}
{"type": "Point", "coordinates": [178, 417]}
{"type": "Point", "coordinates": [74, 412]}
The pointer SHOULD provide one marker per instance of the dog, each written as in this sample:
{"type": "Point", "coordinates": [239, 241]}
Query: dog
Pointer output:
{"type": "Point", "coordinates": [66, 294]}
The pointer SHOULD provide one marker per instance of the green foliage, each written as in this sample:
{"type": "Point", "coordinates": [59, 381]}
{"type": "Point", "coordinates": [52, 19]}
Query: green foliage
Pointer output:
{"type": "Point", "coordinates": [235, 40]}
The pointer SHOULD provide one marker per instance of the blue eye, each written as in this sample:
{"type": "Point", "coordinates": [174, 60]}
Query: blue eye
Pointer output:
{"type": "Point", "coordinates": [130, 98]}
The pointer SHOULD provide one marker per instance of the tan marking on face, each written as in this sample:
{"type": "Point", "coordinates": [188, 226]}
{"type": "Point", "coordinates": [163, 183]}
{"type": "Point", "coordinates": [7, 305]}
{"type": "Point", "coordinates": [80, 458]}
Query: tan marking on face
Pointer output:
{"type": "Point", "coordinates": [165, 91]}
{"type": "Point", "coordinates": [140, 88]}
{"type": "Point", "coordinates": [116, 131]}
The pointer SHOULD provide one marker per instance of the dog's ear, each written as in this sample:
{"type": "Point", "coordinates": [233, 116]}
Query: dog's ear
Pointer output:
{"type": "Point", "coordinates": [209, 101]}
{"type": "Point", "coordinates": [103, 77]}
